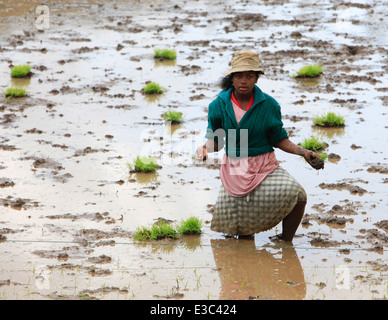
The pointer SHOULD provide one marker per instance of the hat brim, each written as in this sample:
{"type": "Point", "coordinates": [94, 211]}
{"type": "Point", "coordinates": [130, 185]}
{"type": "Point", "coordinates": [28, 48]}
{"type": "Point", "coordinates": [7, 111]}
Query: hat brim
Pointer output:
{"type": "Point", "coordinates": [243, 69]}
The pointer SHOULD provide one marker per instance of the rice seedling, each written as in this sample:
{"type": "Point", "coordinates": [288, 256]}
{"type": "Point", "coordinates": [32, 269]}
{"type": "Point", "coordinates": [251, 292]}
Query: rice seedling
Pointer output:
{"type": "Point", "coordinates": [165, 54]}
{"type": "Point", "coordinates": [309, 71]}
{"type": "Point", "coordinates": [153, 88]}
{"type": "Point", "coordinates": [144, 164]}
{"type": "Point", "coordinates": [142, 233]}
{"type": "Point", "coordinates": [191, 225]}
{"type": "Point", "coordinates": [21, 71]}
{"type": "Point", "coordinates": [162, 229]}
{"type": "Point", "coordinates": [15, 93]}
{"type": "Point", "coordinates": [329, 120]}
{"type": "Point", "coordinates": [173, 116]}
{"type": "Point", "coordinates": [157, 231]}
{"type": "Point", "coordinates": [313, 144]}
{"type": "Point", "coordinates": [323, 155]}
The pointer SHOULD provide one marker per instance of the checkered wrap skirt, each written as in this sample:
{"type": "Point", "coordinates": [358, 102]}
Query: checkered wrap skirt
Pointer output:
{"type": "Point", "coordinates": [262, 209]}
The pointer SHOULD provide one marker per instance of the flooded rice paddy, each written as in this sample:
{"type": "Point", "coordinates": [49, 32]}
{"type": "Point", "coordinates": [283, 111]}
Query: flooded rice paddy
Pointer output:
{"type": "Point", "coordinates": [69, 205]}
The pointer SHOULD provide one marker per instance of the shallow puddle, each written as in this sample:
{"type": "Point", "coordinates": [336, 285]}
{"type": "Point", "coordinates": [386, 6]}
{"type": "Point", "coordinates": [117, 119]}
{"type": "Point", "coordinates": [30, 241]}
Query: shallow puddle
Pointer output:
{"type": "Point", "coordinates": [69, 205]}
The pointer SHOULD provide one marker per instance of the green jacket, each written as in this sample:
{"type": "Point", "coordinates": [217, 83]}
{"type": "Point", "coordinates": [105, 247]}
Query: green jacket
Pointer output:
{"type": "Point", "coordinates": [258, 131]}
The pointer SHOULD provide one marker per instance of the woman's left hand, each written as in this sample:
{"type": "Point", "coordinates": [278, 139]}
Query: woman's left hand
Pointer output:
{"type": "Point", "coordinates": [311, 157]}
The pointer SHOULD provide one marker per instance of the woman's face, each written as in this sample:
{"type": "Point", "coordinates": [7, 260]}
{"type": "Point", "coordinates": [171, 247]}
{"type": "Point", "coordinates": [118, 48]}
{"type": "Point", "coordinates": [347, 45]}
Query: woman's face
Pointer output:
{"type": "Point", "coordinates": [244, 82]}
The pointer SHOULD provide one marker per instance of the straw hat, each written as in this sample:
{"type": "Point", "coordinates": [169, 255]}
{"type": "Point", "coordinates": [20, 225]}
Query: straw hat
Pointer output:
{"type": "Point", "coordinates": [245, 61]}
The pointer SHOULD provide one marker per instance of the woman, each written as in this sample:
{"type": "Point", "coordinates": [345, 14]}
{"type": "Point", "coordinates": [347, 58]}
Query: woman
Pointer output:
{"type": "Point", "coordinates": [256, 193]}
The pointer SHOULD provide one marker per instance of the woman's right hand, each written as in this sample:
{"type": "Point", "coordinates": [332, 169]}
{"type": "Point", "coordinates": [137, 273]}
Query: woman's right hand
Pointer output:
{"type": "Point", "coordinates": [201, 153]}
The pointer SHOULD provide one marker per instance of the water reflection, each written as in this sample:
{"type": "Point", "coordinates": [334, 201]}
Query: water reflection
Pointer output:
{"type": "Point", "coordinates": [329, 132]}
{"type": "Point", "coordinates": [144, 178]}
{"type": "Point", "coordinates": [164, 63]}
{"type": "Point", "coordinates": [171, 128]}
{"type": "Point", "coordinates": [188, 242]}
{"type": "Point", "coordinates": [312, 82]}
{"type": "Point", "coordinates": [20, 82]}
{"type": "Point", "coordinates": [153, 98]}
{"type": "Point", "coordinates": [247, 272]}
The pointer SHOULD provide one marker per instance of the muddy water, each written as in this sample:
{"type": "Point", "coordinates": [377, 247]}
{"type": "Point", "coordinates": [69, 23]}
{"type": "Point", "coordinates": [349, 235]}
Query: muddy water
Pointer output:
{"type": "Point", "coordinates": [69, 205]}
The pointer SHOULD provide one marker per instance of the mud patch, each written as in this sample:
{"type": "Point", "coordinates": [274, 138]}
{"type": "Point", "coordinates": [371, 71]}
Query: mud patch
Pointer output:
{"type": "Point", "coordinates": [377, 239]}
{"type": "Point", "coordinates": [87, 151]}
{"type": "Point", "coordinates": [92, 235]}
{"type": "Point", "coordinates": [65, 253]}
{"type": "Point", "coordinates": [52, 255]}
{"type": "Point", "coordinates": [5, 183]}
{"type": "Point", "coordinates": [6, 147]}
{"type": "Point", "coordinates": [382, 225]}
{"type": "Point", "coordinates": [7, 119]}
{"type": "Point", "coordinates": [41, 163]}
{"type": "Point", "coordinates": [46, 167]}
{"type": "Point", "coordinates": [337, 216]}
{"type": "Point", "coordinates": [74, 217]}
{"type": "Point", "coordinates": [378, 168]}
{"type": "Point", "coordinates": [324, 241]}
{"type": "Point", "coordinates": [356, 190]}
{"type": "Point", "coordinates": [18, 203]}
{"type": "Point", "coordinates": [101, 259]}
{"type": "Point", "coordinates": [92, 270]}
{"type": "Point", "coordinates": [7, 231]}
{"type": "Point", "coordinates": [335, 220]}
{"type": "Point", "coordinates": [104, 290]}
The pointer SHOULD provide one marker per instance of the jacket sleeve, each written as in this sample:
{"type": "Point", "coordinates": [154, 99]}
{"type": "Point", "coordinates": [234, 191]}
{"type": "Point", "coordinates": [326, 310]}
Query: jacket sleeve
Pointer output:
{"type": "Point", "coordinates": [276, 132]}
{"type": "Point", "coordinates": [214, 129]}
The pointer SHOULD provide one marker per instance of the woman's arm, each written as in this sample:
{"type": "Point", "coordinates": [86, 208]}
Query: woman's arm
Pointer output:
{"type": "Point", "coordinates": [310, 156]}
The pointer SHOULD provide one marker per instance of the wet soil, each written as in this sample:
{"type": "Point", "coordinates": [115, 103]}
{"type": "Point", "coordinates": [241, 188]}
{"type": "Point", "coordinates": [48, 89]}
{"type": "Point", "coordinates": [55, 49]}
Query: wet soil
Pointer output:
{"type": "Point", "coordinates": [69, 204]}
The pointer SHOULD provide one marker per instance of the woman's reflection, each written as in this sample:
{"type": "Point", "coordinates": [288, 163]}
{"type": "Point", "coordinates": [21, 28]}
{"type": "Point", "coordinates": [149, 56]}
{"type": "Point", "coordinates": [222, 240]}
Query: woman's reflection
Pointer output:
{"type": "Point", "coordinates": [250, 273]}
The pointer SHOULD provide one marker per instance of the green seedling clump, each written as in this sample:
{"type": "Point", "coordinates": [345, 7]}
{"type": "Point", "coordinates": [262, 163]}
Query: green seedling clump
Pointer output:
{"type": "Point", "coordinates": [329, 120]}
{"type": "Point", "coordinates": [15, 93]}
{"type": "Point", "coordinates": [152, 88]}
{"type": "Point", "coordinates": [309, 71]}
{"type": "Point", "coordinates": [144, 164]}
{"type": "Point", "coordinates": [21, 71]}
{"type": "Point", "coordinates": [142, 233]}
{"type": "Point", "coordinates": [165, 54]}
{"type": "Point", "coordinates": [173, 116]}
{"type": "Point", "coordinates": [313, 144]}
{"type": "Point", "coordinates": [157, 231]}
{"type": "Point", "coordinates": [162, 230]}
{"type": "Point", "coordinates": [190, 226]}
{"type": "Point", "coordinates": [323, 155]}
